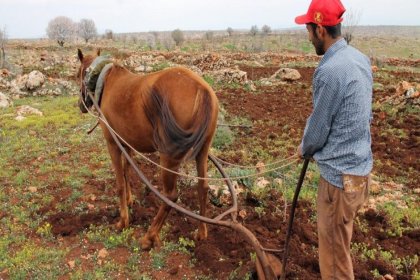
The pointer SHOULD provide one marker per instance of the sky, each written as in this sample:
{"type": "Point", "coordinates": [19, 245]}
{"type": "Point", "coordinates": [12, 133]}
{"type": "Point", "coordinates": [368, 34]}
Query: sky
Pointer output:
{"type": "Point", "coordinates": [29, 18]}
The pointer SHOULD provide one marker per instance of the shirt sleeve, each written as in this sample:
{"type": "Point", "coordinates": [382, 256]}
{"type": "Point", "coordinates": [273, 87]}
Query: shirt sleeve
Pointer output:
{"type": "Point", "coordinates": [326, 103]}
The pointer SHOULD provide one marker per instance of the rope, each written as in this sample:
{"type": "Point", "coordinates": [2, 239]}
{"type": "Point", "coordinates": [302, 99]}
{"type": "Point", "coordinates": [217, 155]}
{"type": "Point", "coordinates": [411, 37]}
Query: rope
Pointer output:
{"type": "Point", "coordinates": [183, 174]}
{"type": "Point", "coordinates": [253, 166]}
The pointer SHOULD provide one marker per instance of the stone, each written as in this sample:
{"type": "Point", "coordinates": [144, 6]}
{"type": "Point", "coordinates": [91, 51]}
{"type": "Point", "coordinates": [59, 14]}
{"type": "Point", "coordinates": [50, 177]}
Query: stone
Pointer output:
{"type": "Point", "coordinates": [403, 87]}
{"type": "Point", "coordinates": [230, 76]}
{"type": "Point", "coordinates": [71, 264]}
{"type": "Point", "coordinates": [260, 166]}
{"type": "Point", "coordinates": [262, 183]}
{"type": "Point", "coordinates": [33, 189]}
{"type": "Point", "coordinates": [5, 101]}
{"type": "Point", "coordinates": [143, 68]}
{"type": "Point", "coordinates": [375, 188]}
{"type": "Point", "coordinates": [27, 110]}
{"type": "Point", "coordinates": [103, 253]}
{"type": "Point", "coordinates": [35, 80]}
{"type": "Point", "coordinates": [286, 74]}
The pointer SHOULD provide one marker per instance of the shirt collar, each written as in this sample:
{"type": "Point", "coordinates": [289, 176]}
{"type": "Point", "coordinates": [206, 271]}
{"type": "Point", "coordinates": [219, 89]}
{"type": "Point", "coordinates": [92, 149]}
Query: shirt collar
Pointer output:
{"type": "Point", "coordinates": [333, 49]}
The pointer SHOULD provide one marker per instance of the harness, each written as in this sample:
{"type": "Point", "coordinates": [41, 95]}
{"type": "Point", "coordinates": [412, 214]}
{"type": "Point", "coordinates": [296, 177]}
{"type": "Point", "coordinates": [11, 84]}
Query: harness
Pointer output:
{"type": "Point", "coordinates": [95, 76]}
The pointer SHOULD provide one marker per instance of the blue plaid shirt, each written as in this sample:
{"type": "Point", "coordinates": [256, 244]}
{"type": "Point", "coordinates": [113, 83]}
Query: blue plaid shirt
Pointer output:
{"type": "Point", "coordinates": [337, 133]}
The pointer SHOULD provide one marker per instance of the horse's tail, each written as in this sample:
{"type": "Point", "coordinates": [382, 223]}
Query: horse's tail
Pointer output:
{"type": "Point", "coordinates": [169, 137]}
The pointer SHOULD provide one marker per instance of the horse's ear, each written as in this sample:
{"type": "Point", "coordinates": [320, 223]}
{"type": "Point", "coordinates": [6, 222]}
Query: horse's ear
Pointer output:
{"type": "Point", "coordinates": [80, 55]}
{"type": "Point", "coordinates": [98, 52]}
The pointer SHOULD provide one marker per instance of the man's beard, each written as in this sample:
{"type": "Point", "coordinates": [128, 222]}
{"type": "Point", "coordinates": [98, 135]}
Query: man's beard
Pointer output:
{"type": "Point", "coordinates": [318, 44]}
{"type": "Point", "coordinates": [319, 47]}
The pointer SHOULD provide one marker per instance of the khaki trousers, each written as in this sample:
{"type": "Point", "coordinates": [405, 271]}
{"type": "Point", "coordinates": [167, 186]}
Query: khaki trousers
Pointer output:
{"type": "Point", "coordinates": [336, 209]}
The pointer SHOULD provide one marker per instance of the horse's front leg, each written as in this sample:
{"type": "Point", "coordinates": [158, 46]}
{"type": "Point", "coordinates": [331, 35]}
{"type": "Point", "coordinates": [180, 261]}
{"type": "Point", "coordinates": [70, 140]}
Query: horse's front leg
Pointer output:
{"type": "Point", "coordinates": [117, 163]}
{"type": "Point", "coordinates": [151, 238]}
{"type": "Point", "coordinates": [126, 167]}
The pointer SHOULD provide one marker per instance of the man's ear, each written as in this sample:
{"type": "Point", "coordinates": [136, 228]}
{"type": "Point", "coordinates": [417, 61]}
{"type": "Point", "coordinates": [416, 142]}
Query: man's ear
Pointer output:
{"type": "Point", "coordinates": [320, 31]}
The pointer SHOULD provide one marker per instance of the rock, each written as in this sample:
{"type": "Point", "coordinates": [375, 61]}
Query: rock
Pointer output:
{"type": "Point", "coordinates": [19, 83]}
{"type": "Point", "coordinates": [403, 87]}
{"type": "Point", "coordinates": [210, 61]}
{"type": "Point", "coordinates": [388, 277]}
{"type": "Point", "coordinates": [260, 166]}
{"type": "Point", "coordinates": [230, 76]}
{"type": "Point", "coordinates": [286, 74]}
{"type": "Point", "coordinates": [375, 187]}
{"type": "Point", "coordinates": [416, 191]}
{"type": "Point", "coordinates": [278, 181]}
{"type": "Point", "coordinates": [251, 86]}
{"type": "Point", "coordinates": [35, 80]}
{"type": "Point", "coordinates": [266, 82]}
{"type": "Point", "coordinates": [71, 264]}
{"type": "Point", "coordinates": [5, 101]}
{"type": "Point", "coordinates": [33, 189]}
{"type": "Point", "coordinates": [262, 183]}
{"type": "Point", "coordinates": [103, 253]}
{"type": "Point", "coordinates": [242, 213]}
{"type": "Point", "coordinates": [143, 68]}
{"type": "Point", "coordinates": [24, 110]}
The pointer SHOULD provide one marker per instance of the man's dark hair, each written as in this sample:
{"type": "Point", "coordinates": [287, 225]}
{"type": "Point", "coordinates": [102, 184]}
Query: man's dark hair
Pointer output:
{"type": "Point", "coordinates": [333, 31]}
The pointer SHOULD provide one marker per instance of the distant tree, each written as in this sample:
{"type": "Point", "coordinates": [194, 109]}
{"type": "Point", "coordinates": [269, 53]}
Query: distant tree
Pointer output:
{"type": "Point", "coordinates": [266, 29]}
{"type": "Point", "coordinates": [87, 29]}
{"type": "Point", "coordinates": [3, 39]}
{"type": "Point", "coordinates": [155, 34]}
{"type": "Point", "coordinates": [156, 37]}
{"type": "Point", "coordinates": [178, 36]}
{"type": "Point", "coordinates": [61, 29]}
{"type": "Point", "coordinates": [229, 30]}
{"type": "Point", "coordinates": [168, 42]}
{"type": "Point", "coordinates": [254, 30]}
{"type": "Point", "coordinates": [134, 39]}
{"type": "Point", "coordinates": [209, 35]}
{"type": "Point", "coordinates": [109, 34]}
{"type": "Point", "coordinates": [150, 41]}
{"type": "Point", "coordinates": [351, 20]}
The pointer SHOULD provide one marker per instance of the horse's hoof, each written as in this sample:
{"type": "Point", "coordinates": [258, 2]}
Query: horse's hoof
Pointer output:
{"type": "Point", "coordinates": [201, 234]}
{"type": "Point", "coordinates": [121, 225]}
{"type": "Point", "coordinates": [147, 243]}
{"type": "Point", "coordinates": [130, 202]}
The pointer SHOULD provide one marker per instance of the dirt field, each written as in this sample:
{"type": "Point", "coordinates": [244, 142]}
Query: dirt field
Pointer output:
{"type": "Point", "coordinates": [278, 114]}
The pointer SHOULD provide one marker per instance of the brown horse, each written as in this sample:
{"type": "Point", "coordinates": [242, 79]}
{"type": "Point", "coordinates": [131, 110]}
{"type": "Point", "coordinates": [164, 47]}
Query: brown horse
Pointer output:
{"type": "Point", "coordinates": [173, 111]}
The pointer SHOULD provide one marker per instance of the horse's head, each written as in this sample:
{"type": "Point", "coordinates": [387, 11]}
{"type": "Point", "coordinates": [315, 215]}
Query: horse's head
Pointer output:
{"type": "Point", "coordinates": [85, 102]}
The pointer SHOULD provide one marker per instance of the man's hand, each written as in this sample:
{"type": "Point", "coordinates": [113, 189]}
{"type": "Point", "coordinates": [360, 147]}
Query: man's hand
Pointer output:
{"type": "Point", "coordinates": [299, 151]}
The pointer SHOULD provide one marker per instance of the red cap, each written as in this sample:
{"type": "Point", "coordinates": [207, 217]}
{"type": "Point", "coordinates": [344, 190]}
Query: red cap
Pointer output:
{"type": "Point", "coordinates": [323, 12]}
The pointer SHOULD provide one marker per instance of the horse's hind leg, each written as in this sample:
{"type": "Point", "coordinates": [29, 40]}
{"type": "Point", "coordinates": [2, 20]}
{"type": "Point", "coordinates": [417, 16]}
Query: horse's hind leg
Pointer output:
{"type": "Point", "coordinates": [170, 191]}
{"type": "Point", "coordinates": [202, 188]}
{"type": "Point", "coordinates": [117, 162]}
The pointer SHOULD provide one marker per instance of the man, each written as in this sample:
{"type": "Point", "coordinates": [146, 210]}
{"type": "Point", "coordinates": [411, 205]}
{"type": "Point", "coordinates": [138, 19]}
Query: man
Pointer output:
{"type": "Point", "coordinates": [337, 134]}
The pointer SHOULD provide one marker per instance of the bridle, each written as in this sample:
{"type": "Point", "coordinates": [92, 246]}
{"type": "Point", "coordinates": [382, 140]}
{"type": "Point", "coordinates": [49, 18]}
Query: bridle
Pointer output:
{"type": "Point", "coordinates": [84, 96]}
